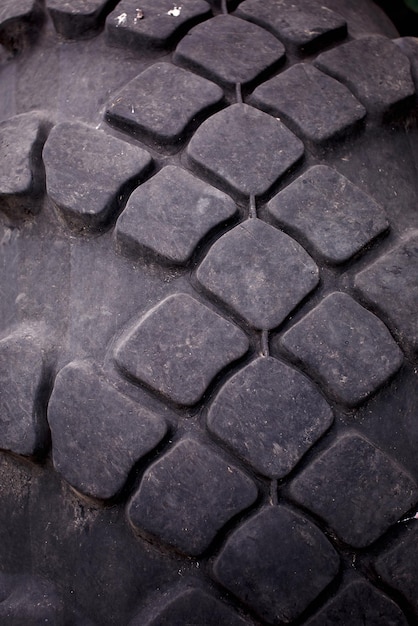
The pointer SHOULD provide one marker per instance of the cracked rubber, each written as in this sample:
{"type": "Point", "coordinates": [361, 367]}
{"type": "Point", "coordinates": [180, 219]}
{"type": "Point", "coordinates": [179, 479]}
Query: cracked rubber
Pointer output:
{"type": "Point", "coordinates": [209, 329]}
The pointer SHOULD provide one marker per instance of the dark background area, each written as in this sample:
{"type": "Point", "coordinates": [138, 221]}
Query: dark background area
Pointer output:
{"type": "Point", "coordinates": [404, 18]}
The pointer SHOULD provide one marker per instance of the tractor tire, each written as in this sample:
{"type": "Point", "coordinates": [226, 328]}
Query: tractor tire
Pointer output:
{"type": "Point", "coordinates": [209, 328]}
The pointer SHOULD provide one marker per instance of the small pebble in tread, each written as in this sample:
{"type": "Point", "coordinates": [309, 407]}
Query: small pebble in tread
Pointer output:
{"type": "Point", "coordinates": [155, 26]}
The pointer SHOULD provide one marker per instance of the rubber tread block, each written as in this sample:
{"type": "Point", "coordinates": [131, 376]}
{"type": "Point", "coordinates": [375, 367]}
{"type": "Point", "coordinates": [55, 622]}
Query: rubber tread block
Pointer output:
{"type": "Point", "coordinates": [375, 70]}
{"type": "Point", "coordinates": [160, 105]}
{"type": "Point", "coordinates": [219, 50]}
{"type": "Point", "coordinates": [258, 271]}
{"type": "Point", "coordinates": [328, 213]}
{"type": "Point", "coordinates": [357, 604]}
{"type": "Point", "coordinates": [89, 174]}
{"type": "Point", "coordinates": [170, 214]}
{"type": "Point", "coordinates": [268, 563]}
{"type": "Point", "coordinates": [356, 488]}
{"type": "Point", "coordinates": [314, 106]}
{"type": "Point", "coordinates": [303, 27]}
{"type": "Point", "coordinates": [178, 347]}
{"type": "Point", "coordinates": [96, 444]}
{"type": "Point", "coordinates": [188, 494]}
{"type": "Point", "coordinates": [244, 151]}
{"type": "Point", "coordinates": [269, 414]}
{"type": "Point", "coordinates": [390, 286]}
{"type": "Point", "coordinates": [153, 24]}
{"type": "Point", "coordinates": [348, 349]}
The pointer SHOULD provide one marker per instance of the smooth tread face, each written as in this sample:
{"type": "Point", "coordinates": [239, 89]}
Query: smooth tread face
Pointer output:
{"type": "Point", "coordinates": [391, 286]}
{"type": "Point", "coordinates": [95, 447]}
{"type": "Point", "coordinates": [88, 173]}
{"type": "Point", "coordinates": [327, 212]}
{"type": "Point", "coordinates": [209, 295]}
{"type": "Point", "coordinates": [358, 604]}
{"type": "Point", "coordinates": [270, 415]}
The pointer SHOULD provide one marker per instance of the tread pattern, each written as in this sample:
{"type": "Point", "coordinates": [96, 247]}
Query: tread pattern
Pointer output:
{"type": "Point", "coordinates": [197, 341]}
{"type": "Point", "coordinates": [270, 389]}
{"type": "Point", "coordinates": [359, 603]}
{"type": "Point", "coordinates": [191, 382]}
{"type": "Point", "coordinates": [398, 570]}
{"type": "Point", "coordinates": [76, 20]}
{"type": "Point", "coordinates": [170, 214]}
{"type": "Point", "coordinates": [206, 610]}
{"type": "Point", "coordinates": [248, 270]}
{"type": "Point", "coordinates": [390, 285]}
{"type": "Point", "coordinates": [21, 177]}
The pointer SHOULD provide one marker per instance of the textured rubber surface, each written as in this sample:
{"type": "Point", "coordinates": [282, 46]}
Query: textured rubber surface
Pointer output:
{"type": "Point", "coordinates": [209, 328]}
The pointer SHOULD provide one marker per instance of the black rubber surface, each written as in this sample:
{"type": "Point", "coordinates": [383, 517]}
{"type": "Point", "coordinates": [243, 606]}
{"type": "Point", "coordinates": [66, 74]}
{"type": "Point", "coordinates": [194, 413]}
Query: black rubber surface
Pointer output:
{"type": "Point", "coordinates": [209, 314]}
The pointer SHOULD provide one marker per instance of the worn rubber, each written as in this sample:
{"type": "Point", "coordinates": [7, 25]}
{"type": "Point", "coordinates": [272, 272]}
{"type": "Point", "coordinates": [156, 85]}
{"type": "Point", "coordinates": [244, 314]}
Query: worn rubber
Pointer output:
{"type": "Point", "coordinates": [209, 330]}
